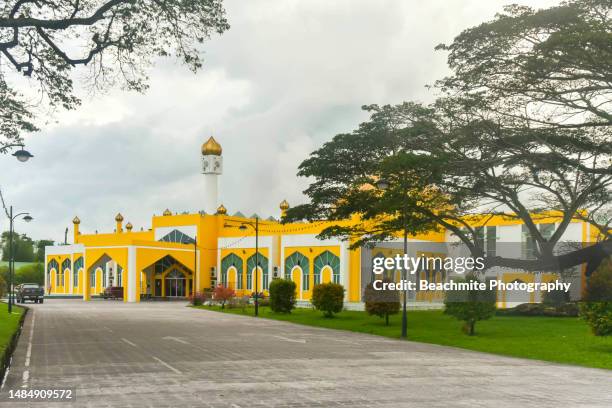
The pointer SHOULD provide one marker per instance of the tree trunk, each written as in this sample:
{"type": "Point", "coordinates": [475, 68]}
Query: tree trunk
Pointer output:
{"type": "Point", "coordinates": [386, 319]}
{"type": "Point", "coordinates": [471, 325]}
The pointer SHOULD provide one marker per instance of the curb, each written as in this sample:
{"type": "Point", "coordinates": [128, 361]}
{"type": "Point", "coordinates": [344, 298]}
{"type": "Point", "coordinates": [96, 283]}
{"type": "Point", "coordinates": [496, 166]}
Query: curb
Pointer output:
{"type": "Point", "coordinates": [5, 359]}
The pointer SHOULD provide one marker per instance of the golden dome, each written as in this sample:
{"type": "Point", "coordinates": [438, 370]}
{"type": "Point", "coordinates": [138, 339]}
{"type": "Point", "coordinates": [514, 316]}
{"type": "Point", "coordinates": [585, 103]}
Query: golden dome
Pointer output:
{"type": "Point", "coordinates": [167, 212]}
{"type": "Point", "coordinates": [129, 226]}
{"type": "Point", "coordinates": [284, 205]}
{"type": "Point", "coordinates": [119, 217]}
{"type": "Point", "coordinates": [76, 220]}
{"type": "Point", "coordinates": [221, 210]}
{"type": "Point", "coordinates": [211, 147]}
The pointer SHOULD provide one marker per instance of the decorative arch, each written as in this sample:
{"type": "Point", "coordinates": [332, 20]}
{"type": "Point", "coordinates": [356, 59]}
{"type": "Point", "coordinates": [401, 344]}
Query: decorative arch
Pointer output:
{"type": "Point", "coordinates": [51, 266]}
{"type": "Point", "coordinates": [300, 260]}
{"type": "Point", "coordinates": [76, 269]}
{"type": "Point", "coordinates": [263, 265]}
{"type": "Point", "coordinates": [229, 261]}
{"type": "Point", "coordinates": [327, 259]}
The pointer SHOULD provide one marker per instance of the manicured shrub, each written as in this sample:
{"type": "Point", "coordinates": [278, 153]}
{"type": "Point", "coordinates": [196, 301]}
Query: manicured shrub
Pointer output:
{"type": "Point", "coordinates": [328, 298]}
{"type": "Point", "coordinates": [556, 297]}
{"type": "Point", "coordinates": [540, 309]}
{"type": "Point", "coordinates": [199, 298]}
{"type": "Point", "coordinates": [597, 306]}
{"type": "Point", "coordinates": [381, 303]}
{"type": "Point", "coordinates": [222, 294]}
{"type": "Point", "coordinates": [470, 305]}
{"type": "Point", "coordinates": [282, 295]}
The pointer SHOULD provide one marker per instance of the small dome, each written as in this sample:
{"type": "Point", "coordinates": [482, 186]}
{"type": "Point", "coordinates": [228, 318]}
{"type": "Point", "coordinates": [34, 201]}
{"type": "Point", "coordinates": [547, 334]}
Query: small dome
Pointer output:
{"type": "Point", "coordinates": [119, 217]}
{"type": "Point", "coordinates": [76, 220]}
{"type": "Point", "coordinates": [221, 210]}
{"type": "Point", "coordinates": [284, 205]}
{"type": "Point", "coordinates": [167, 212]}
{"type": "Point", "coordinates": [211, 147]}
{"type": "Point", "coordinates": [129, 226]}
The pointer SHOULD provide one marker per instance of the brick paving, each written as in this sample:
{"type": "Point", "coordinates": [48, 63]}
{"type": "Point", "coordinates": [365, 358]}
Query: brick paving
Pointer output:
{"type": "Point", "coordinates": [168, 355]}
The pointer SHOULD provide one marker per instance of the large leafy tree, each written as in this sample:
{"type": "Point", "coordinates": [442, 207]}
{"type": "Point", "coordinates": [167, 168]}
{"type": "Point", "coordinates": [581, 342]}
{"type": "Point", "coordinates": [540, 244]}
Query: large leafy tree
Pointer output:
{"type": "Point", "coordinates": [116, 40]}
{"type": "Point", "coordinates": [510, 136]}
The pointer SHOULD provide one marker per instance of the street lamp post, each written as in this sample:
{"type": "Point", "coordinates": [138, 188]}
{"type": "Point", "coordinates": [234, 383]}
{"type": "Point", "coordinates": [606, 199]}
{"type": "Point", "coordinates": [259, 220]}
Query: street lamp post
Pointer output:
{"type": "Point", "coordinates": [382, 184]}
{"type": "Point", "coordinates": [255, 226]}
{"type": "Point", "coordinates": [26, 218]}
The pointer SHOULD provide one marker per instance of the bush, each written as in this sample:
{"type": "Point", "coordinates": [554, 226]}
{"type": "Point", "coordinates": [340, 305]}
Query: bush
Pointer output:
{"type": "Point", "coordinates": [328, 298]}
{"type": "Point", "coordinates": [539, 309]}
{"type": "Point", "coordinates": [199, 298]}
{"type": "Point", "coordinates": [381, 303]}
{"type": "Point", "coordinates": [470, 305]}
{"type": "Point", "coordinates": [597, 307]}
{"type": "Point", "coordinates": [282, 295]}
{"type": "Point", "coordinates": [2, 286]}
{"type": "Point", "coordinates": [222, 294]}
{"type": "Point", "coordinates": [32, 273]}
{"type": "Point", "coordinates": [556, 297]}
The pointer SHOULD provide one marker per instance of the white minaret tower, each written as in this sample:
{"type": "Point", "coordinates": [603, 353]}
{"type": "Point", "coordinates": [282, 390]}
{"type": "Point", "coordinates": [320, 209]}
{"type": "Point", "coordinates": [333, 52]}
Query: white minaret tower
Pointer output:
{"type": "Point", "coordinates": [212, 166]}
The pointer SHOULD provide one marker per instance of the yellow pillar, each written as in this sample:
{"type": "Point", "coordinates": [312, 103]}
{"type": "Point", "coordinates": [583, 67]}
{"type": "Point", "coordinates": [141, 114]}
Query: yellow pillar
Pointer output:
{"type": "Point", "coordinates": [76, 221]}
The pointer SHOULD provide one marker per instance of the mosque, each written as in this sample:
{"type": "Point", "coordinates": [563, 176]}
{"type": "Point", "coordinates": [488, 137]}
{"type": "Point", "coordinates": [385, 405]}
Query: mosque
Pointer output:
{"type": "Point", "coordinates": [183, 253]}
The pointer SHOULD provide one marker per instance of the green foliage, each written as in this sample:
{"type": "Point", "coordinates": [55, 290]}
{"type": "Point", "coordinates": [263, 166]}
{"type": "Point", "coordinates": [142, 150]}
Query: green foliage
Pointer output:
{"type": "Point", "coordinates": [556, 297]}
{"type": "Point", "coordinates": [597, 306]}
{"type": "Point", "coordinates": [2, 286]}
{"type": "Point", "coordinates": [40, 249]}
{"type": "Point", "coordinates": [117, 40]}
{"type": "Point", "coordinates": [32, 273]}
{"type": "Point", "coordinates": [381, 303]}
{"type": "Point", "coordinates": [328, 298]}
{"type": "Point", "coordinates": [470, 305]}
{"type": "Point", "coordinates": [282, 295]}
{"type": "Point", "coordinates": [23, 247]}
{"type": "Point", "coordinates": [540, 309]}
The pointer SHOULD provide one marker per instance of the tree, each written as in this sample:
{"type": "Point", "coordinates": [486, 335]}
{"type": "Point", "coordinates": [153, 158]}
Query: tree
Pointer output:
{"type": "Point", "coordinates": [550, 67]}
{"type": "Point", "coordinates": [222, 294]}
{"type": "Point", "coordinates": [470, 305]}
{"type": "Point", "coordinates": [282, 295]}
{"type": "Point", "coordinates": [596, 308]}
{"type": "Point", "coordinates": [464, 159]}
{"type": "Point", "coordinates": [2, 286]}
{"type": "Point", "coordinates": [381, 303]}
{"type": "Point", "coordinates": [32, 273]}
{"type": "Point", "coordinates": [40, 249]}
{"type": "Point", "coordinates": [116, 39]}
{"type": "Point", "coordinates": [328, 298]}
{"type": "Point", "coordinates": [23, 247]}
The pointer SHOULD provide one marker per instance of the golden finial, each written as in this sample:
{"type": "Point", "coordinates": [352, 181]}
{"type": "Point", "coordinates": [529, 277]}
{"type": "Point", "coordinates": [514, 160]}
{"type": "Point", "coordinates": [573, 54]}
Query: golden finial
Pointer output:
{"type": "Point", "coordinates": [129, 226]}
{"type": "Point", "coordinates": [76, 220]}
{"type": "Point", "coordinates": [119, 217]}
{"type": "Point", "coordinates": [167, 212]}
{"type": "Point", "coordinates": [221, 210]}
{"type": "Point", "coordinates": [284, 205]}
{"type": "Point", "coordinates": [211, 147]}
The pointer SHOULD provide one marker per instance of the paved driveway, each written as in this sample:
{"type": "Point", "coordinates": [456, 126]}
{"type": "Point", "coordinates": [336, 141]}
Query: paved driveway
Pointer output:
{"type": "Point", "coordinates": [165, 354]}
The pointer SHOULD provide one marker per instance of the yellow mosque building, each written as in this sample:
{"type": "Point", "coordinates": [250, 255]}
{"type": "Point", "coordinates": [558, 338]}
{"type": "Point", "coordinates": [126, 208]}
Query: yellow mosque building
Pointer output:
{"type": "Point", "coordinates": [184, 253]}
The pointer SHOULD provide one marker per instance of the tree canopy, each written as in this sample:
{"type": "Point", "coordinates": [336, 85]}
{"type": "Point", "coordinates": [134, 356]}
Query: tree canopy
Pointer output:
{"type": "Point", "coordinates": [116, 39]}
{"type": "Point", "coordinates": [482, 149]}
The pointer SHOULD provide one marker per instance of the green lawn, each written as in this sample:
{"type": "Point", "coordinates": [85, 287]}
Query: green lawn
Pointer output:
{"type": "Point", "coordinates": [558, 339]}
{"type": "Point", "coordinates": [8, 324]}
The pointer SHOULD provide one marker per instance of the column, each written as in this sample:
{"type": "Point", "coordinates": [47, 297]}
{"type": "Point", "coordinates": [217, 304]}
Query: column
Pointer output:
{"type": "Point", "coordinates": [132, 281]}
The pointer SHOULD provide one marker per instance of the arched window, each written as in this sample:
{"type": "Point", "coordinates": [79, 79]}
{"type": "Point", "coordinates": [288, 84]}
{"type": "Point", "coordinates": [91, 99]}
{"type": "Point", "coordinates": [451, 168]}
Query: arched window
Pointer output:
{"type": "Point", "coordinates": [65, 266]}
{"type": "Point", "coordinates": [328, 259]}
{"type": "Point", "coordinates": [298, 259]}
{"type": "Point", "coordinates": [232, 260]}
{"type": "Point", "coordinates": [262, 264]}
{"type": "Point", "coordinates": [52, 265]}
{"type": "Point", "coordinates": [78, 265]}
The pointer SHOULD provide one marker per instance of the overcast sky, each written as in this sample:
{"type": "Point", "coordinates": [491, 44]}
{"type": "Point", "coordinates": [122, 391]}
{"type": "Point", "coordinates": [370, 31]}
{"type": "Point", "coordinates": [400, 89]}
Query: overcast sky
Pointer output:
{"type": "Point", "coordinates": [285, 78]}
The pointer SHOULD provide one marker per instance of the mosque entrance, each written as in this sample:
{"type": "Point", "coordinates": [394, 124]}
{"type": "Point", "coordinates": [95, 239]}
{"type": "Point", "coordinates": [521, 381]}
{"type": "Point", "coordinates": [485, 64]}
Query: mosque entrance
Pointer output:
{"type": "Point", "coordinates": [176, 284]}
{"type": "Point", "coordinates": [167, 278]}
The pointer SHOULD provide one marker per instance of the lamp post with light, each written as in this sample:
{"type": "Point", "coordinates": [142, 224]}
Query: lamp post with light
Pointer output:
{"type": "Point", "coordinates": [12, 218]}
{"type": "Point", "coordinates": [383, 185]}
{"type": "Point", "coordinates": [255, 225]}
{"type": "Point", "coordinates": [22, 155]}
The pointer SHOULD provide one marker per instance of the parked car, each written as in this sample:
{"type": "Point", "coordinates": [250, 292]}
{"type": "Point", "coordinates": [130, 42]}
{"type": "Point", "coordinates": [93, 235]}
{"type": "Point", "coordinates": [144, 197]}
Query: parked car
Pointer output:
{"type": "Point", "coordinates": [114, 292]}
{"type": "Point", "coordinates": [29, 291]}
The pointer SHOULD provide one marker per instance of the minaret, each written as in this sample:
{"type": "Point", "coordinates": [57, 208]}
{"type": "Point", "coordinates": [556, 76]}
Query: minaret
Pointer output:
{"type": "Point", "coordinates": [212, 166]}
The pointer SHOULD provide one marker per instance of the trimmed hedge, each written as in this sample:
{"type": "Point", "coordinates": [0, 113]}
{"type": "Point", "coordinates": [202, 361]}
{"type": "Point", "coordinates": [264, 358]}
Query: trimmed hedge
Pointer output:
{"type": "Point", "coordinates": [328, 298]}
{"type": "Point", "coordinates": [282, 295]}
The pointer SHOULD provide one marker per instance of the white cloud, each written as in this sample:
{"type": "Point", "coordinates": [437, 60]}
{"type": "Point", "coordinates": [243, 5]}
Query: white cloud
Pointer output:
{"type": "Point", "coordinates": [288, 76]}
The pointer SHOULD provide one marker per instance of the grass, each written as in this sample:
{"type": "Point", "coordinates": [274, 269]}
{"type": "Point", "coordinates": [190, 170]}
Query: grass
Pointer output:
{"type": "Point", "coordinates": [8, 324]}
{"type": "Point", "coordinates": [558, 339]}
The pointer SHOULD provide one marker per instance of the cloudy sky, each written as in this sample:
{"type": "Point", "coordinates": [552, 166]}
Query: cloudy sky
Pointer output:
{"type": "Point", "coordinates": [285, 78]}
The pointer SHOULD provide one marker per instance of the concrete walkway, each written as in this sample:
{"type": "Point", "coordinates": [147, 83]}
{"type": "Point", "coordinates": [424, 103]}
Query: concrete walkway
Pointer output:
{"type": "Point", "coordinates": [167, 355]}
